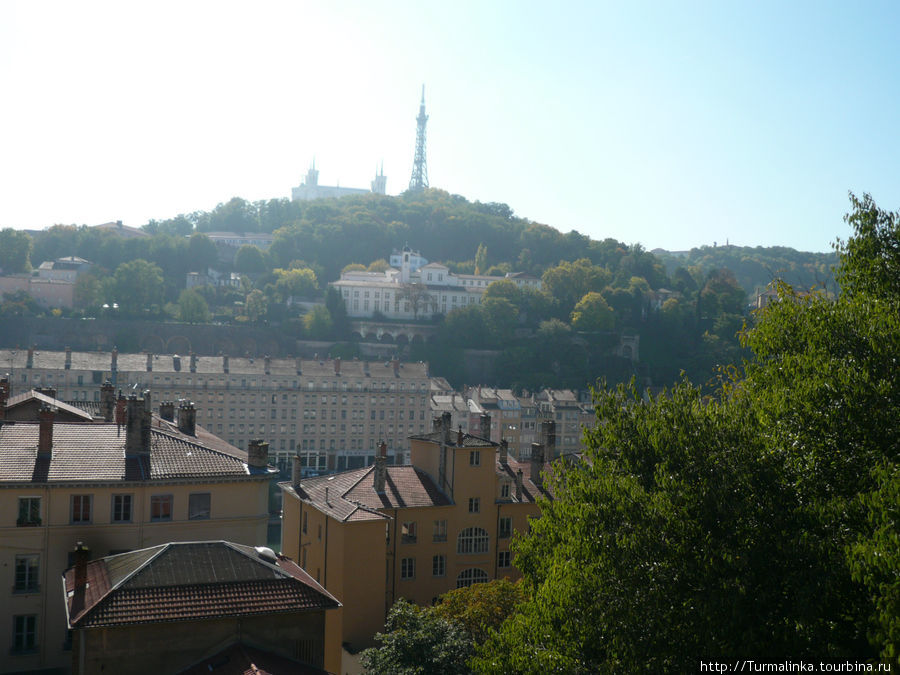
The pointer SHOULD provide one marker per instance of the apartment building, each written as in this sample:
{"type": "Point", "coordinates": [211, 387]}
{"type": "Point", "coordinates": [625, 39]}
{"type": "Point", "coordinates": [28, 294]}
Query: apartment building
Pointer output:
{"type": "Point", "coordinates": [117, 486]}
{"type": "Point", "coordinates": [444, 521]}
{"type": "Point", "coordinates": [332, 413]}
{"type": "Point", "coordinates": [517, 419]}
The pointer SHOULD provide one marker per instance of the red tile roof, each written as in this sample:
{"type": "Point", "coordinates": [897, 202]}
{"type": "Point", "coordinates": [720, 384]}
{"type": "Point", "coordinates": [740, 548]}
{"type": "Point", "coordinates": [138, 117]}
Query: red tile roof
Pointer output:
{"type": "Point", "coordinates": [96, 452]}
{"type": "Point", "coordinates": [189, 581]}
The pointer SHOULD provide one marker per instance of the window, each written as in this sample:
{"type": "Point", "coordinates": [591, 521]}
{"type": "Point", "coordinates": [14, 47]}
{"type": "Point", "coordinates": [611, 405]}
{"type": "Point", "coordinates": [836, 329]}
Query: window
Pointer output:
{"type": "Point", "coordinates": [505, 528]}
{"type": "Point", "coordinates": [475, 458]}
{"type": "Point", "coordinates": [440, 530]}
{"type": "Point", "coordinates": [408, 531]}
{"type": "Point", "coordinates": [81, 508]}
{"type": "Point", "coordinates": [438, 566]}
{"type": "Point", "coordinates": [27, 567]}
{"type": "Point", "coordinates": [471, 576]}
{"type": "Point", "coordinates": [161, 507]}
{"type": "Point", "coordinates": [121, 508]}
{"type": "Point", "coordinates": [198, 506]}
{"type": "Point", "coordinates": [472, 540]}
{"type": "Point", "coordinates": [29, 511]}
{"type": "Point", "coordinates": [474, 504]}
{"type": "Point", "coordinates": [503, 559]}
{"type": "Point", "coordinates": [408, 568]}
{"type": "Point", "coordinates": [24, 633]}
{"type": "Point", "coordinates": [504, 491]}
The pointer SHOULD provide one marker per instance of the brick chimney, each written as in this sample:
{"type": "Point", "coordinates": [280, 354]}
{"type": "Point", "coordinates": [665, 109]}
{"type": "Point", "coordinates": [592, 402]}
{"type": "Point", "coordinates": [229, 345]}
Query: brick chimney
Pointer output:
{"type": "Point", "coordinates": [337, 366]}
{"type": "Point", "coordinates": [187, 418]}
{"type": "Point", "coordinates": [114, 365]}
{"type": "Point", "coordinates": [79, 582]}
{"type": "Point", "coordinates": [460, 437]}
{"type": "Point", "coordinates": [4, 395]}
{"type": "Point", "coordinates": [504, 451]}
{"type": "Point", "coordinates": [193, 362]}
{"type": "Point", "coordinates": [137, 425]}
{"type": "Point", "coordinates": [167, 410]}
{"type": "Point", "coordinates": [120, 409]}
{"type": "Point", "coordinates": [107, 400]}
{"type": "Point", "coordinates": [45, 433]}
{"type": "Point", "coordinates": [296, 471]}
{"type": "Point", "coordinates": [445, 427]}
{"type": "Point", "coordinates": [225, 364]}
{"type": "Point", "coordinates": [485, 420]}
{"type": "Point", "coordinates": [267, 364]}
{"type": "Point", "coordinates": [435, 423]}
{"type": "Point", "coordinates": [68, 365]}
{"type": "Point", "coordinates": [299, 365]}
{"type": "Point", "coordinates": [519, 485]}
{"type": "Point", "coordinates": [548, 439]}
{"type": "Point", "coordinates": [176, 363]}
{"type": "Point", "coordinates": [149, 362]}
{"type": "Point", "coordinates": [258, 454]}
{"type": "Point", "coordinates": [29, 361]}
{"type": "Point", "coordinates": [537, 463]}
{"type": "Point", "coordinates": [395, 362]}
{"type": "Point", "coordinates": [381, 468]}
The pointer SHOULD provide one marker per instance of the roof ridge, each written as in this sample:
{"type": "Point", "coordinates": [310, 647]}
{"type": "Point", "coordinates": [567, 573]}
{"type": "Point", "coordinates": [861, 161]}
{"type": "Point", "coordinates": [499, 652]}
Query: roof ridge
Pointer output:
{"type": "Point", "coordinates": [365, 473]}
{"type": "Point", "coordinates": [196, 444]}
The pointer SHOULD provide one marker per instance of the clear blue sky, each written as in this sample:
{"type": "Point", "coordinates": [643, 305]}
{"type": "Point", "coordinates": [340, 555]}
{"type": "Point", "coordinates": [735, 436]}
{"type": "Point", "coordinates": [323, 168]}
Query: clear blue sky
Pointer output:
{"type": "Point", "coordinates": [672, 124]}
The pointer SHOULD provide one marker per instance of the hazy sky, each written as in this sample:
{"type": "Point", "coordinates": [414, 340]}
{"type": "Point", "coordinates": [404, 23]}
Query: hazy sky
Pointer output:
{"type": "Point", "coordinates": [673, 124]}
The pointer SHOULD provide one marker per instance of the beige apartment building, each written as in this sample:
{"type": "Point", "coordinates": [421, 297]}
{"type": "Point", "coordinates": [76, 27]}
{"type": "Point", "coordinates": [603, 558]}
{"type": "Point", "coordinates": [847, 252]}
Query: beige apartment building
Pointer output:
{"type": "Point", "coordinates": [332, 413]}
{"type": "Point", "coordinates": [371, 536]}
{"type": "Point", "coordinates": [114, 486]}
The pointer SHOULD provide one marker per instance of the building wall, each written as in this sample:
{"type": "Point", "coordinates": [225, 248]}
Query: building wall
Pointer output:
{"type": "Point", "coordinates": [238, 513]}
{"type": "Point", "coordinates": [170, 647]}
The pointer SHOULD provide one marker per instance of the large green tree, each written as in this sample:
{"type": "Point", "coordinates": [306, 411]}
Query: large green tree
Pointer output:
{"type": "Point", "coordinates": [758, 517]}
{"type": "Point", "coordinates": [137, 287]}
{"type": "Point", "coordinates": [15, 251]}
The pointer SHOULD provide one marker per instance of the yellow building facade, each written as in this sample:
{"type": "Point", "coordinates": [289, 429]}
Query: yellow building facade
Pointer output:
{"type": "Point", "coordinates": [374, 535]}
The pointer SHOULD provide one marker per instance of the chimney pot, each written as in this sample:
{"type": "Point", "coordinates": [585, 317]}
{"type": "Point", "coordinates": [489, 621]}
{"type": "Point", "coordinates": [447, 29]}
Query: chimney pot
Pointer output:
{"type": "Point", "coordinates": [504, 451]}
{"type": "Point", "coordinates": [193, 362]}
{"type": "Point", "coordinates": [225, 364]}
{"type": "Point", "coordinates": [268, 364]}
{"type": "Point", "coordinates": [537, 463]}
{"type": "Point", "coordinates": [258, 454]}
{"type": "Point", "coordinates": [187, 419]}
{"type": "Point", "coordinates": [519, 485]}
{"type": "Point", "coordinates": [459, 436]}
{"type": "Point", "coordinates": [167, 410]}
{"type": "Point", "coordinates": [137, 425]}
{"type": "Point", "coordinates": [296, 471]}
{"type": "Point", "coordinates": [485, 426]}
{"type": "Point", "coordinates": [30, 360]}
{"type": "Point", "coordinates": [68, 365]}
{"type": "Point", "coordinates": [381, 468]}
{"type": "Point", "coordinates": [149, 362]}
{"type": "Point", "coordinates": [115, 360]}
{"type": "Point", "coordinates": [337, 366]}
{"type": "Point", "coordinates": [45, 433]}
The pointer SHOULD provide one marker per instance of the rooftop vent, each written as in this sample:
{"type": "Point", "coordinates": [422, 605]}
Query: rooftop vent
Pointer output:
{"type": "Point", "coordinates": [267, 554]}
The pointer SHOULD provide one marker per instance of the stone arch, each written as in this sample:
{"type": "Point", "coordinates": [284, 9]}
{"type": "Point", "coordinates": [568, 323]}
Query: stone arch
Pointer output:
{"type": "Point", "coordinates": [225, 346]}
{"type": "Point", "coordinates": [402, 339]}
{"type": "Point", "coordinates": [152, 344]}
{"type": "Point", "coordinates": [371, 336]}
{"type": "Point", "coordinates": [178, 344]}
{"type": "Point", "coordinates": [387, 338]}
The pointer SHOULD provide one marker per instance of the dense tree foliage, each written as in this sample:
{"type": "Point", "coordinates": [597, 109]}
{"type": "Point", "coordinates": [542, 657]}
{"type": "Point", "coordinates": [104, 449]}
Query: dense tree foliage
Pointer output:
{"type": "Point", "coordinates": [15, 251]}
{"type": "Point", "coordinates": [759, 518]}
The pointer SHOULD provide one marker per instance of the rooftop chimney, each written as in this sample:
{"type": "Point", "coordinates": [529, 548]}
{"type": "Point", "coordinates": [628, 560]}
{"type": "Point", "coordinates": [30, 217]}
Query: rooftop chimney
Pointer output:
{"type": "Point", "coordinates": [381, 468]}
{"type": "Point", "coordinates": [114, 366]}
{"type": "Point", "coordinates": [68, 358]}
{"type": "Point", "coordinates": [29, 362]}
{"type": "Point", "coordinates": [296, 471]}
{"type": "Point", "coordinates": [537, 463]}
{"type": "Point", "coordinates": [82, 555]}
{"type": "Point", "coordinates": [485, 426]}
{"type": "Point", "coordinates": [504, 451]}
{"type": "Point", "coordinates": [548, 438]}
{"type": "Point", "coordinates": [435, 423]}
{"type": "Point", "coordinates": [445, 427]}
{"type": "Point", "coordinates": [137, 425]}
{"type": "Point", "coordinates": [167, 410]}
{"type": "Point", "coordinates": [258, 454]}
{"type": "Point", "coordinates": [337, 366]}
{"type": "Point", "coordinates": [187, 419]}
{"type": "Point", "coordinates": [459, 436]}
{"type": "Point", "coordinates": [149, 362]}
{"type": "Point", "coordinates": [396, 363]}
{"type": "Point", "coordinates": [4, 395]}
{"type": "Point", "coordinates": [519, 485]}
{"type": "Point", "coordinates": [45, 434]}
{"type": "Point", "coordinates": [225, 364]}
{"type": "Point", "coordinates": [299, 366]}
{"type": "Point", "coordinates": [120, 409]}
{"type": "Point", "coordinates": [176, 363]}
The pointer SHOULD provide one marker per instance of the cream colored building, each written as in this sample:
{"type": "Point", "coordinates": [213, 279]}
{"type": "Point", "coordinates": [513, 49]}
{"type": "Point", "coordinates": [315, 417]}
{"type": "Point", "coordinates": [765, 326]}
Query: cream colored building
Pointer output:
{"type": "Point", "coordinates": [116, 488]}
{"type": "Point", "coordinates": [331, 412]}
{"type": "Point", "coordinates": [374, 535]}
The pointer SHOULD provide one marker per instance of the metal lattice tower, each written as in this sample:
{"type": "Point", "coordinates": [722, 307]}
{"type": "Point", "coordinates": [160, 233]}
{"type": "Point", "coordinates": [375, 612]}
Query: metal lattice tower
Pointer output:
{"type": "Point", "coordinates": [419, 180]}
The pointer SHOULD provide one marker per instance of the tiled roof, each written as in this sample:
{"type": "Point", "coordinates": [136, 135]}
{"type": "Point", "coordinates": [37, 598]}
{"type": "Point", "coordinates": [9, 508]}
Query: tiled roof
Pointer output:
{"type": "Point", "coordinates": [468, 440]}
{"type": "Point", "coordinates": [352, 496]}
{"type": "Point", "coordinates": [241, 659]}
{"type": "Point", "coordinates": [96, 452]}
{"type": "Point", "coordinates": [32, 395]}
{"type": "Point", "coordinates": [188, 581]}
{"type": "Point", "coordinates": [530, 490]}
